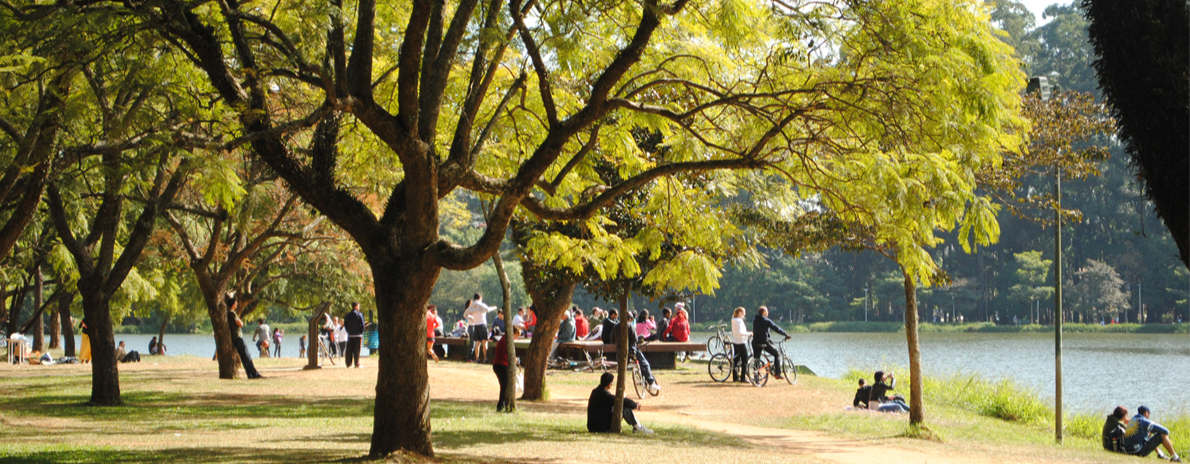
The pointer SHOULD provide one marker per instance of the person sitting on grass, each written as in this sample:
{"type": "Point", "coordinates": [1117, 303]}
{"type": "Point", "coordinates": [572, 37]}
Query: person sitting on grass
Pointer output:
{"type": "Point", "coordinates": [878, 397]}
{"type": "Point", "coordinates": [1143, 436]}
{"type": "Point", "coordinates": [862, 395]}
{"type": "Point", "coordinates": [125, 357]}
{"type": "Point", "coordinates": [1113, 430]}
{"type": "Point", "coordinates": [601, 405]}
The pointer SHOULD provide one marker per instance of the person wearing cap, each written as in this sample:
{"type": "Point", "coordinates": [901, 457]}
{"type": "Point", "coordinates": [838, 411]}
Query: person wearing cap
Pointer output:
{"type": "Point", "coordinates": [1143, 436]}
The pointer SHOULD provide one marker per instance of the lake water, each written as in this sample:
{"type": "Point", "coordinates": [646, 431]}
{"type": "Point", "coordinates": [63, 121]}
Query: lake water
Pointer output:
{"type": "Point", "coordinates": [1099, 370]}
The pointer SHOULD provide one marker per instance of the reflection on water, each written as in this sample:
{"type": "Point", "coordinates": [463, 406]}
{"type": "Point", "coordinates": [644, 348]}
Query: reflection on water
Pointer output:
{"type": "Point", "coordinates": [1099, 370]}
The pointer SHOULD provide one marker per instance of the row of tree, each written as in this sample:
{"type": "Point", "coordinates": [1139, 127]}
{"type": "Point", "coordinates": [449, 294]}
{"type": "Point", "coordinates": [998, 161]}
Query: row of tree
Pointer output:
{"type": "Point", "coordinates": [166, 152]}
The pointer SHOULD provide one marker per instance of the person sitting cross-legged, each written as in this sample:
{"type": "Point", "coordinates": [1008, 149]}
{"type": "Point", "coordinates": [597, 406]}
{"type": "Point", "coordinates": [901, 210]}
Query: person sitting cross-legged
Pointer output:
{"type": "Point", "coordinates": [601, 405]}
{"type": "Point", "coordinates": [879, 399]}
{"type": "Point", "coordinates": [1143, 436]}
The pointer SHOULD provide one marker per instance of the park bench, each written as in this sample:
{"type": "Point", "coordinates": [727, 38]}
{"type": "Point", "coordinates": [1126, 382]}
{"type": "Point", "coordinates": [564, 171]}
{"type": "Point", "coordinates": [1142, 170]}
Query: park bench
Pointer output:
{"type": "Point", "coordinates": [458, 347]}
{"type": "Point", "coordinates": [661, 355]}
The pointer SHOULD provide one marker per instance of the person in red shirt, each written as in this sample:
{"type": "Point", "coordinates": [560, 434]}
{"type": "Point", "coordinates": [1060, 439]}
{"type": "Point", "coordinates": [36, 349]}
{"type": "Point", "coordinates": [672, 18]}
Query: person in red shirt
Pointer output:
{"type": "Point", "coordinates": [431, 325]}
{"type": "Point", "coordinates": [679, 328]}
{"type": "Point", "coordinates": [500, 365]}
{"type": "Point", "coordinates": [581, 327]}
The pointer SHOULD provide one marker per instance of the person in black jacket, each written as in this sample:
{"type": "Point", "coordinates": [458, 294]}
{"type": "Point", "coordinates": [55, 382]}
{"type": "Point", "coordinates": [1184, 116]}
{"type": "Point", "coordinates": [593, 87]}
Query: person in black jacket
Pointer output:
{"type": "Point", "coordinates": [879, 398]}
{"type": "Point", "coordinates": [662, 325]}
{"type": "Point", "coordinates": [354, 324]}
{"type": "Point", "coordinates": [601, 405]}
{"type": "Point", "coordinates": [862, 395]}
{"type": "Point", "coordinates": [609, 324]}
{"type": "Point", "coordinates": [761, 325]}
{"type": "Point", "coordinates": [237, 338]}
{"type": "Point", "coordinates": [1113, 430]}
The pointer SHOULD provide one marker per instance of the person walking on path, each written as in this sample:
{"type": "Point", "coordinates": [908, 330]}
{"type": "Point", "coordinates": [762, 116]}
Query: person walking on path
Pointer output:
{"type": "Point", "coordinates": [262, 336]}
{"type": "Point", "coordinates": [500, 364]}
{"type": "Point", "coordinates": [236, 325]}
{"type": "Point", "coordinates": [354, 325]}
{"type": "Point", "coordinates": [761, 325]}
{"type": "Point", "coordinates": [739, 340]}
{"type": "Point", "coordinates": [278, 334]}
{"type": "Point", "coordinates": [477, 325]}
{"type": "Point", "coordinates": [431, 328]}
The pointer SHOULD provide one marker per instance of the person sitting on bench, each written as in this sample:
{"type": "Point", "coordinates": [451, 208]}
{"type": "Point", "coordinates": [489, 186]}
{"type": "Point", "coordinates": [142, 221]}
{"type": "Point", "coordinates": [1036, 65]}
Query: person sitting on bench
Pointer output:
{"type": "Point", "coordinates": [601, 404]}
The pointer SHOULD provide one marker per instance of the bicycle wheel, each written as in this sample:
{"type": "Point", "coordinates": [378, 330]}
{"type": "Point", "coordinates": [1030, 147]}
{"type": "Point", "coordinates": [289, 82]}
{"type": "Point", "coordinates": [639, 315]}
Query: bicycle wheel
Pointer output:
{"type": "Point", "coordinates": [719, 367]}
{"type": "Point", "coordinates": [638, 383]}
{"type": "Point", "coordinates": [715, 345]}
{"type": "Point", "coordinates": [788, 370]}
{"type": "Point", "coordinates": [758, 371]}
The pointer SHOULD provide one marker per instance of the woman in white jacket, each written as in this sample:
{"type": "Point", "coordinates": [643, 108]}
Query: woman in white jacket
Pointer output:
{"type": "Point", "coordinates": [739, 339]}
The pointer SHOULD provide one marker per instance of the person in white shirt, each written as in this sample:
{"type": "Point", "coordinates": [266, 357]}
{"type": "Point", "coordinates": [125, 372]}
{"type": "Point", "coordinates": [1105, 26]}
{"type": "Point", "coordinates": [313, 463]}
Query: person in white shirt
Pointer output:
{"type": "Point", "coordinates": [477, 321]}
{"type": "Point", "coordinates": [340, 335]}
{"type": "Point", "coordinates": [518, 320]}
{"type": "Point", "coordinates": [739, 339]}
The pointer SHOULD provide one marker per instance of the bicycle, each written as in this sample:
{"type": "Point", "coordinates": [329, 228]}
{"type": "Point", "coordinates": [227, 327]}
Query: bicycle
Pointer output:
{"type": "Point", "coordinates": [323, 351]}
{"type": "Point", "coordinates": [719, 342]}
{"type": "Point", "coordinates": [759, 368]}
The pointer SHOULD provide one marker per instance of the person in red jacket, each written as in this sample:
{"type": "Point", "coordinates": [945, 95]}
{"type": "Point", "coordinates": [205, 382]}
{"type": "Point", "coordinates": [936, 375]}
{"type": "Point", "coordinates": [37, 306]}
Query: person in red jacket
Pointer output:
{"type": "Point", "coordinates": [431, 325]}
{"type": "Point", "coordinates": [581, 326]}
{"type": "Point", "coordinates": [679, 328]}
{"type": "Point", "coordinates": [500, 365]}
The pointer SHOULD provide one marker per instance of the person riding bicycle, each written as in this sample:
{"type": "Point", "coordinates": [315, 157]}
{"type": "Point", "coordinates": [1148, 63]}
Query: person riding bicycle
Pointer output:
{"type": "Point", "coordinates": [761, 325]}
{"type": "Point", "coordinates": [646, 371]}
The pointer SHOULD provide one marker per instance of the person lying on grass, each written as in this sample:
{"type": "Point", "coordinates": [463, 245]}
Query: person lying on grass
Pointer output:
{"type": "Point", "coordinates": [602, 402]}
{"type": "Point", "coordinates": [1143, 436]}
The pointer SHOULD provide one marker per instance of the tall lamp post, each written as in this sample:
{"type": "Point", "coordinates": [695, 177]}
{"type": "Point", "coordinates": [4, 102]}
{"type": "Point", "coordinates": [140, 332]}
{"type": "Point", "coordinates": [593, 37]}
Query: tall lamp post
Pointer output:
{"type": "Point", "coordinates": [865, 305]}
{"type": "Point", "coordinates": [1041, 85]}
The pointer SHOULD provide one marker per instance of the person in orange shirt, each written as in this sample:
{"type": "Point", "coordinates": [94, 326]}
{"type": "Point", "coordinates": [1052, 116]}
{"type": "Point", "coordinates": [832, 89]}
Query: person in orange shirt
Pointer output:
{"type": "Point", "coordinates": [431, 325]}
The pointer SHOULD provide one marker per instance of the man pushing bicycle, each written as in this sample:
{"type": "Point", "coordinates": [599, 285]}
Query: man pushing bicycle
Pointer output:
{"type": "Point", "coordinates": [760, 338]}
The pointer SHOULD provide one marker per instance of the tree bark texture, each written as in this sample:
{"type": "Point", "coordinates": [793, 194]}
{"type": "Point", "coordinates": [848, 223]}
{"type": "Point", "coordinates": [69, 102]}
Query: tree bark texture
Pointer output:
{"type": "Point", "coordinates": [550, 304]}
{"type": "Point", "coordinates": [916, 399]}
{"type": "Point", "coordinates": [621, 360]}
{"type": "Point", "coordinates": [402, 413]}
{"type": "Point", "coordinates": [14, 310]}
{"type": "Point", "coordinates": [64, 302]}
{"type": "Point", "coordinates": [105, 373]}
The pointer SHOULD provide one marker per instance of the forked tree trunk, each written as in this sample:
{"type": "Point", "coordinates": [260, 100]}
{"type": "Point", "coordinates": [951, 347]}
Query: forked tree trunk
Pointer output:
{"type": "Point", "coordinates": [105, 375]}
{"type": "Point", "coordinates": [402, 414]}
{"type": "Point", "coordinates": [64, 302]}
{"type": "Point", "coordinates": [621, 361]}
{"type": "Point", "coordinates": [509, 387]}
{"type": "Point", "coordinates": [916, 400]}
{"type": "Point", "coordinates": [550, 303]}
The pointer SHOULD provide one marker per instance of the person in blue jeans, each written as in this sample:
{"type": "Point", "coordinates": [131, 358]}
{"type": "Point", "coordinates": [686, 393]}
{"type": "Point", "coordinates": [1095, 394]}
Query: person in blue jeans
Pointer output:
{"type": "Point", "coordinates": [1143, 436]}
{"type": "Point", "coordinates": [879, 398]}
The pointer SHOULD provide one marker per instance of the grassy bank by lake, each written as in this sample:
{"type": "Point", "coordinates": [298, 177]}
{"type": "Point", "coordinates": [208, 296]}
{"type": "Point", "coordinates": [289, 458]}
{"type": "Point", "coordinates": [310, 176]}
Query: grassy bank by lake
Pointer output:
{"type": "Point", "coordinates": [894, 327]}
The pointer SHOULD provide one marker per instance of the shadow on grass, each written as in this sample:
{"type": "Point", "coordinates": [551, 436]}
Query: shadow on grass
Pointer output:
{"type": "Point", "coordinates": [70, 454]}
{"type": "Point", "coordinates": [145, 405]}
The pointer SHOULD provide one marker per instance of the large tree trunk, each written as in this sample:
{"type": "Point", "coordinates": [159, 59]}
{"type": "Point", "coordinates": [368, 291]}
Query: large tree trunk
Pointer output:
{"type": "Point", "coordinates": [105, 375]}
{"type": "Point", "coordinates": [161, 332]}
{"type": "Point", "coordinates": [621, 360]}
{"type": "Point", "coordinates": [55, 328]}
{"type": "Point", "coordinates": [509, 387]}
{"type": "Point", "coordinates": [402, 414]}
{"type": "Point", "coordinates": [213, 295]}
{"type": "Point", "coordinates": [38, 321]}
{"type": "Point", "coordinates": [916, 400]}
{"type": "Point", "coordinates": [550, 303]}
{"type": "Point", "coordinates": [14, 311]}
{"type": "Point", "coordinates": [64, 302]}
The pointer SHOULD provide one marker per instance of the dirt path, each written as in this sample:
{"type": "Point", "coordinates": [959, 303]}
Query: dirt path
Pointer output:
{"type": "Point", "coordinates": [682, 403]}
